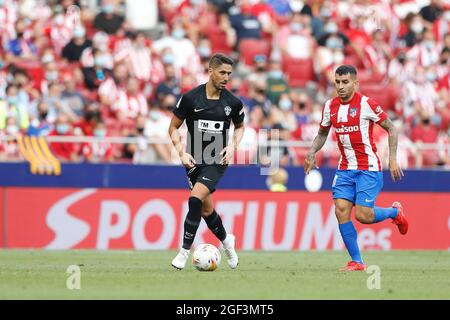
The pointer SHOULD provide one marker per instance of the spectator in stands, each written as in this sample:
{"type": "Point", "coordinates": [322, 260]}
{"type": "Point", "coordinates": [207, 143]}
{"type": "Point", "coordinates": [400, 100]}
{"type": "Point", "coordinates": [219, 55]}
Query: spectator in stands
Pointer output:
{"type": "Point", "coordinates": [100, 44]}
{"type": "Point", "coordinates": [98, 151]}
{"type": "Point", "coordinates": [259, 73]}
{"type": "Point", "coordinates": [11, 107]}
{"type": "Point", "coordinates": [245, 24]}
{"type": "Point", "coordinates": [258, 98]}
{"type": "Point", "coordinates": [21, 47]}
{"type": "Point", "coordinates": [90, 118]}
{"type": "Point", "coordinates": [415, 27]}
{"type": "Point", "coordinates": [297, 34]}
{"type": "Point", "coordinates": [73, 50]}
{"type": "Point", "coordinates": [418, 95]}
{"type": "Point", "coordinates": [170, 85]}
{"type": "Point", "coordinates": [276, 82]}
{"type": "Point", "coordinates": [130, 103]}
{"type": "Point", "coordinates": [184, 54]}
{"type": "Point", "coordinates": [97, 74]}
{"type": "Point", "coordinates": [64, 151]}
{"type": "Point", "coordinates": [39, 125]}
{"type": "Point", "coordinates": [56, 105]}
{"type": "Point", "coordinates": [108, 20]}
{"type": "Point", "coordinates": [426, 132]}
{"type": "Point", "coordinates": [109, 89]}
{"type": "Point", "coordinates": [283, 114]}
{"type": "Point", "coordinates": [431, 12]}
{"type": "Point", "coordinates": [425, 52]}
{"type": "Point", "coordinates": [71, 96]}
{"type": "Point", "coordinates": [9, 150]}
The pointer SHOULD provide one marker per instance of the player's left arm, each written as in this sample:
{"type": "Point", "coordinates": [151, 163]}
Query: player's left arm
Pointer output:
{"type": "Point", "coordinates": [396, 171]}
{"type": "Point", "coordinates": [229, 150]}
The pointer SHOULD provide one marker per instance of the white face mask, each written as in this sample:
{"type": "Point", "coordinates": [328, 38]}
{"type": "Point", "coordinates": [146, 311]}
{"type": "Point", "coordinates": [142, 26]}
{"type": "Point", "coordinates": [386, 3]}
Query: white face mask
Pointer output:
{"type": "Point", "coordinates": [12, 129]}
{"type": "Point", "coordinates": [417, 27]}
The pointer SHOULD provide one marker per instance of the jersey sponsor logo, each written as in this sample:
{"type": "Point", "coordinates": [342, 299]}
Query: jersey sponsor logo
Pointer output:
{"type": "Point", "coordinates": [348, 129]}
{"type": "Point", "coordinates": [198, 110]}
{"type": "Point", "coordinates": [352, 112]}
{"type": "Point", "coordinates": [227, 110]}
{"type": "Point", "coordinates": [207, 179]}
{"type": "Point", "coordinates": [332, 115]}
{"type": "Point", "coordinates": [210, 126]}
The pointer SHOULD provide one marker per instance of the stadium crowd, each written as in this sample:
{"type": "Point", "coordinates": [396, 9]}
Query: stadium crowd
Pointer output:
{"type": "Point", "coordinates": [117, 68]}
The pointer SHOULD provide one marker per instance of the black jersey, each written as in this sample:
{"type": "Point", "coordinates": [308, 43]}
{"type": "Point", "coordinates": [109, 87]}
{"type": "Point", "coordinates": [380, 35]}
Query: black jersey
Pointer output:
{"type": "Point", "coordinates": [208, 122]}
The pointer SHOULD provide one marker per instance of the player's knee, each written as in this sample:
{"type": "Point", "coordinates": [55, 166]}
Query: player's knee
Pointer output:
{"type": "Point", "coordinates": [364, 216]}
{"type": "Point", "coordinates": [342, 213]}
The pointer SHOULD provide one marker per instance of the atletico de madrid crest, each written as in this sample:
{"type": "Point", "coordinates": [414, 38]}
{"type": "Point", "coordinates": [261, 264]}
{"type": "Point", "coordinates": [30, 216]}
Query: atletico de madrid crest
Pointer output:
{"type": "Point", "coordinates": [352, 112]}
{"type": "Point", "coordinates": [227, 110]}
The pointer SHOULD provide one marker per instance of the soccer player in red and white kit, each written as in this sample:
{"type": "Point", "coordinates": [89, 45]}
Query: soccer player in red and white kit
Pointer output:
{"type": "Point", "coordinates": [359, 177]}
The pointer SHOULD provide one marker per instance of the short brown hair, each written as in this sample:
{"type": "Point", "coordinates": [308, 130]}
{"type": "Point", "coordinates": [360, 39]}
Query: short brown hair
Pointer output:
{"type": "Point", "coordinates": [218, 59]}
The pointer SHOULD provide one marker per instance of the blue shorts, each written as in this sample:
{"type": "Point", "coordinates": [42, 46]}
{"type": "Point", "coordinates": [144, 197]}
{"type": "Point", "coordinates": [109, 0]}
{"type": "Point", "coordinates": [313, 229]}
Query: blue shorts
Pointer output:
{"type": "Point", "coordinates": [358, 186]}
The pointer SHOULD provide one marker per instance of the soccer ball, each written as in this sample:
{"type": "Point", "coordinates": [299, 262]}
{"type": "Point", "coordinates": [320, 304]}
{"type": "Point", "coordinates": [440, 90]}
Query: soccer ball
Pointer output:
{"type": "Point", "coordinates": [206, 257]}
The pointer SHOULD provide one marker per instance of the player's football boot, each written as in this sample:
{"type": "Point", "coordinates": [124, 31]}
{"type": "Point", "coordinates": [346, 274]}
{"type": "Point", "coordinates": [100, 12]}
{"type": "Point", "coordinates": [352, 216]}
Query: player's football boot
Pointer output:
{"type": "Point", "coordinates": [400, 219]}
{"type": "Point", "coordinates": [228, 246]}
{"type": "Point", "coordinates": [354, 266]}
{"type": "Point", "coordinates": [179, 262]}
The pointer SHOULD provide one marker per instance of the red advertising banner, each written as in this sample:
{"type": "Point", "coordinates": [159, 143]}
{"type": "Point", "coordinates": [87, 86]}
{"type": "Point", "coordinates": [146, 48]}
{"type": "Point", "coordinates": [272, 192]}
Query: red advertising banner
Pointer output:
{"type": "Point", "coordinates": [261, 220]}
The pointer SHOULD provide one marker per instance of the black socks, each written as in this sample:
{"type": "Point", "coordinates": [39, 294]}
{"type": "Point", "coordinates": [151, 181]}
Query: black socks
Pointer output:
{"type": "Point", "coordinates": [192, 221]}
{"type": "Point", "coordinates": [214, 223]}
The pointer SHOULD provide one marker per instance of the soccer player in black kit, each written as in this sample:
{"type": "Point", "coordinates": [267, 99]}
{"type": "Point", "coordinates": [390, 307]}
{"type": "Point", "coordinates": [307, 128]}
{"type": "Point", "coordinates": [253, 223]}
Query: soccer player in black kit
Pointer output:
{"type": "Point", "coordinates": [208, 111]}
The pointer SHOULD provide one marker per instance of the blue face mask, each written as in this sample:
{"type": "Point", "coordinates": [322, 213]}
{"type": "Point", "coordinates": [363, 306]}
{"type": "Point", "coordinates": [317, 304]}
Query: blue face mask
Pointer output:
{"type": "Point", "coordinates": [168, 59]}
{"type": "Point", "coordinates": [12, 100]}
{"type": "Point", "coordinates": [276, 74]}
{"type": "Point", "coordinates": [108, 8]}
{"type": "Point", "coordinates": [204, 52]}
{"type": "Point", "coordinates": [296, 27]}
{"type": "Point", "coordinates": [178, 33]}
{"type": "Point", "coordinates": [431, 76]}
{"type": "Point", "coordinates": [100, 61]}
{"type": "Point", "coordinates": [1, 64]}
{"type": "Point", "coordinates": [285, 104]}
{"type": "Point", "coordinates": [62, 128]}
{"type": "Point", "coordinates": [334, 43]}
{"type": "Point", "coordinates": [99, 132]}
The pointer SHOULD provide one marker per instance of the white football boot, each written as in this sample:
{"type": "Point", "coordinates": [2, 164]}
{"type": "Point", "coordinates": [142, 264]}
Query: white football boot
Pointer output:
{"type": "Point", "coordinates": [179, 262]}
{"type": "Point", "coordinates": [228, 246]}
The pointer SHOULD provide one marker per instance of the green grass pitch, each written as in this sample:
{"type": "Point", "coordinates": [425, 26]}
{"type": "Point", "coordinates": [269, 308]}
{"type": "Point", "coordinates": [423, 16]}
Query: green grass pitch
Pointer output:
{"type": "Point", "coordinates": [37, 274]}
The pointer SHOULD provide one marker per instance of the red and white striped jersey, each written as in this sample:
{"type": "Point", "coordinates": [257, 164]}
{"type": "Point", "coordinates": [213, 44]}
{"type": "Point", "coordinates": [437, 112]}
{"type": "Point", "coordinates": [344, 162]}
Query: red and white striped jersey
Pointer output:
{"type": "Point", "coordinates": [353, 126]}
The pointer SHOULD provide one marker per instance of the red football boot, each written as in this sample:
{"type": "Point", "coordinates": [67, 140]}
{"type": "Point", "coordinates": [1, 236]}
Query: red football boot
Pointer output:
{"type": "Point", "coordinates": [354, 266]}
{"type": "Point", "coordinates": [400, 219]}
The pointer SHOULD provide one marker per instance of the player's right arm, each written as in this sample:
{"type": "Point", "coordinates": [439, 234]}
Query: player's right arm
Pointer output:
{"type": "Point", "coordinates": [319, 140]}
{"type": "Point", "coordinates": [179, 114]}
{"type": "Point", "coordinates": [186, 159]}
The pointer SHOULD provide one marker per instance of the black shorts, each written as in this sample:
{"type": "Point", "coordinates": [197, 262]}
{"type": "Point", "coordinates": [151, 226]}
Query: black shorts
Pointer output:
{"type": "Point", "coordinates": [209, 175]}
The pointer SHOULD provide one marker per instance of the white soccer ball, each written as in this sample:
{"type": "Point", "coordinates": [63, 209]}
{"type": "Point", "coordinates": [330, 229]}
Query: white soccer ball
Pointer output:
{"type": "Point", "coordinates": [206, 257]}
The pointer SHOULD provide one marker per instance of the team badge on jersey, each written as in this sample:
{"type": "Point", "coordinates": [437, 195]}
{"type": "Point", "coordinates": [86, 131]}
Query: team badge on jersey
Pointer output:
{"type": "Point", "coordinates": [227, 110]}
{"type": "Point", "coordinates": [352, 112]}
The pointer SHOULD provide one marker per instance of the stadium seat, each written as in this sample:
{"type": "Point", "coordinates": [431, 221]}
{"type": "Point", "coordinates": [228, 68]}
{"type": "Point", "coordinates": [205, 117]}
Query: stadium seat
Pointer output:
{"type": "Point", "coordinates": [218, 40]}
{"type": "Point", "coordinates": [386, 96]}
{"type": "Point", "coordinates": [298, 71]}
{"type": "Point", "coordinates": [249, 48]}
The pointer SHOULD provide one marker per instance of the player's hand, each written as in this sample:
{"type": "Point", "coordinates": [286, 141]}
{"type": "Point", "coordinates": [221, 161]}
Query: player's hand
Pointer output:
{"type": "Point", "coordinates": [396, 171]}
{"type": "Point", "coordinates": [310, 162]}
{"type": "Point", "coordinates": [187, 160]}
{"type": "Point", "coordinates": [227, 155]}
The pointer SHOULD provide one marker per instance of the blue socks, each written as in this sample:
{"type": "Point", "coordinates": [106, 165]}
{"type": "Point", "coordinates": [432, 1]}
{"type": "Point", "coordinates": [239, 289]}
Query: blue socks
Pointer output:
{"type": "Point", "coordinates": [349, 235]}
{"type": "Point", "coordinates": [381, 214]}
